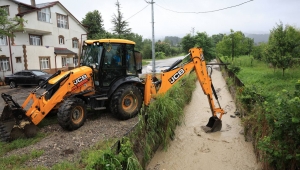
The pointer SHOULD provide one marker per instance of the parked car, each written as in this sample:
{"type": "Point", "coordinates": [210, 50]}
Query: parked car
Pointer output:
{"type": "Point", "coordinates": [26, 77]}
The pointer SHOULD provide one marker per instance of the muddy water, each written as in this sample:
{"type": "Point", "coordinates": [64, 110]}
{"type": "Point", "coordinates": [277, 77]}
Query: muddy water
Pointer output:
{"type": "Point", "coordinates": [193, 149]}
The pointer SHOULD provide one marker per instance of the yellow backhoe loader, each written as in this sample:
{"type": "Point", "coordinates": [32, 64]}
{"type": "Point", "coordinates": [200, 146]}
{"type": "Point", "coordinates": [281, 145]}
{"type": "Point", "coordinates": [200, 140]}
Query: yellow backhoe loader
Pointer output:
{"type": "Point", "coordinates": [108, 77]}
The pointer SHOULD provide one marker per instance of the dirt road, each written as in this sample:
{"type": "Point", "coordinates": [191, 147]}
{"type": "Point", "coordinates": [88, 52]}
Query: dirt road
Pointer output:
{"type": "Point", "coordinates": [193, 149]}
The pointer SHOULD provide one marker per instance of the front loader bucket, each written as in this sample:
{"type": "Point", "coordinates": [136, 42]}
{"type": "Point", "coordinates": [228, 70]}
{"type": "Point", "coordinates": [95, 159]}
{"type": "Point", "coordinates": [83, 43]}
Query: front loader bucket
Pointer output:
{"type": "Point", "coordinates": [11, 130]}
{"type": "Point", "coordinates": [214, 124]}
{"type": "Point", "coordinates": [7, 123]}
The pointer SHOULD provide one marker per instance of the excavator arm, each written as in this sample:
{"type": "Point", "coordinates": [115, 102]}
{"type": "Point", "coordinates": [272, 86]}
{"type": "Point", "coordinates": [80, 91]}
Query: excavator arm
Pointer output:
{"type": "Point", "coordinates": [172, 75]}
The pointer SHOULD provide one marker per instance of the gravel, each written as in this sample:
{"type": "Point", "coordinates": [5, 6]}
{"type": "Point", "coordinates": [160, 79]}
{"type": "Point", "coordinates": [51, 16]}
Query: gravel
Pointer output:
{"type": "Point", "coordinates": [60, 145]}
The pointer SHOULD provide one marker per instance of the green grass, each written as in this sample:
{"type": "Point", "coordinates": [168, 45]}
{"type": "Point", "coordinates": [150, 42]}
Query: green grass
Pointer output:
{"type": "Point", "coordinates": [145, 62]}
{"type": "Point", "coordinates": [20, 143]}
{"type": "Point", "coordinates": [261, 75]}
{"type": "Point", "coordinates": [16, 162]}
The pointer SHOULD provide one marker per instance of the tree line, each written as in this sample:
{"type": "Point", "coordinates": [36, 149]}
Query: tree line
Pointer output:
{"type": "Point", "coordinates": [282, 50]}
{"type": "Point", "coordinates": [94, 23]}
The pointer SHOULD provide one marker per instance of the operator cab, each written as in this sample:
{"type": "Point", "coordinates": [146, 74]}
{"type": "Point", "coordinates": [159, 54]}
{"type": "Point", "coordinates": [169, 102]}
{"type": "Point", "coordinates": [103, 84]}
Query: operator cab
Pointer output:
{"type": "Point", "coordinates": [111, 60]}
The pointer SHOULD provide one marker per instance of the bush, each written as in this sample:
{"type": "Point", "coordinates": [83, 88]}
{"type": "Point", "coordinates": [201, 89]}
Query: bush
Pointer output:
{"type": "Point", "coordinates": [250, 96]}
{"type": "Point", "coordinates": [160, 55]}
{"type": "Point", "coordinates": [282, 145]}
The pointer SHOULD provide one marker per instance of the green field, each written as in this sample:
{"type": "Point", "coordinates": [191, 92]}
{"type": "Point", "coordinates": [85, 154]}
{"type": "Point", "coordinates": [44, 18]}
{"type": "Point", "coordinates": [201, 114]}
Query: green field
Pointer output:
{"type": "Point", "coordinates": [264, 77]}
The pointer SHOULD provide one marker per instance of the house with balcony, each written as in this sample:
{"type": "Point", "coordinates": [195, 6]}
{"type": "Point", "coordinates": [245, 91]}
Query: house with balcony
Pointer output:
{"type": "Point", "coordinates": [50, 40]}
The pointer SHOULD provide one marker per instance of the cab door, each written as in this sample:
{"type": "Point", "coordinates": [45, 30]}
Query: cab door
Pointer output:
{"type": "Point", "coordinates": [113, 64]}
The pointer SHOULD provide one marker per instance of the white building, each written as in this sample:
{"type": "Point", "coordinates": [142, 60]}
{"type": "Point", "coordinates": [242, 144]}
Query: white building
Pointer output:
{"type": "Point", "coordinates": [50, 40]}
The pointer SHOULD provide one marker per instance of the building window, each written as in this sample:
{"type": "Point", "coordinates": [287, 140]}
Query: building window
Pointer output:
{"type": "Point", "coordinates": [3, 40]}
{"type": "Point", "coordinates": [18, 60]}
{"type": "Point", "coordinates": [4, 64]}
{"type": "Point", "coordinates": [44, 15]}
{"type": "Point", "coordinates": [75, 61]}
{"type": "Point", "coordinates": [35, 40]}
{"type": "Point", "coordinates": [45, 62]}
{"type": "Point", "coordinates": [75, 43]}
{"type": "Point", "coordinates": [61, 39]}
{"type": "Point", "coordinates": [65, 61]}
{"type": "Point", "coordinates": [62, 21]}
{"type": "Point", "coordinates": [6, 9]}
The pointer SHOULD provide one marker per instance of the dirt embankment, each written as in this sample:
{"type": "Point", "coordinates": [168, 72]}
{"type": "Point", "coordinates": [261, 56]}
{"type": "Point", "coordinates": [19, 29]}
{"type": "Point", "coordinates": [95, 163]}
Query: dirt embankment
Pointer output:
{"type": "Point", "coordinates": [194, 149]}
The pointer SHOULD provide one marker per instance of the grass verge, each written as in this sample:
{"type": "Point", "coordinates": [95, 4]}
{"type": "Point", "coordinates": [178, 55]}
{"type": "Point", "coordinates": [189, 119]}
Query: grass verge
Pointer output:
{"type": "Point", "coordinates": [17, 162]}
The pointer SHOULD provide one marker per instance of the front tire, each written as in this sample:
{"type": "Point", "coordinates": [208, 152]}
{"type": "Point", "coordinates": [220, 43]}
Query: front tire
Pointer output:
{"type": "Point", "coordinates": [126, 102]}
{"type": "Point", "coordinates": [72, 114]}
{"type": "Point", "coordinates": [12, 84]}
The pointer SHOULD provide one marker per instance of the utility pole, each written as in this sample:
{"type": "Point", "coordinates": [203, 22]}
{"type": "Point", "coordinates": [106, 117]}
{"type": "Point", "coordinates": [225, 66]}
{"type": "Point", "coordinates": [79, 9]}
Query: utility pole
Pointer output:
{"type": "Point", "coordinates": [193, 30]}
{"type": "Point", "coordinates": [153, 40]}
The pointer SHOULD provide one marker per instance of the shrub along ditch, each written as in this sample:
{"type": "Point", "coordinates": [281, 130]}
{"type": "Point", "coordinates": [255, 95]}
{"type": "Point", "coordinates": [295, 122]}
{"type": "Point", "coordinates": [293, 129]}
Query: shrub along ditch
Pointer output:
{"type": "Point", "coordinates": [272, 116]}
{"type": "Point", "coordinates": [161, 119]}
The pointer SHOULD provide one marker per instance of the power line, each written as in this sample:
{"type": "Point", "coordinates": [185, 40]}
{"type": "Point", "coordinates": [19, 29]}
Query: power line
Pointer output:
{"type": "Point", "coordinates": [206, 11]}
{"type": "Point", "coordinates": [137, 12]}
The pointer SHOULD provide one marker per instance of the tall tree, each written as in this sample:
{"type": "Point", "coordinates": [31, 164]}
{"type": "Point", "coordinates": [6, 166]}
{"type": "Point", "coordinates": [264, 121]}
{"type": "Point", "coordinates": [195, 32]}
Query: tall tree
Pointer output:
{"type": "Point", "coordinates": [9, 25]}
{"type": "Point", "coordinates": [258, 49]}
{"type": "Point", "coordinates": [147, 49]}
{"type": "Point", "coordinates": [232, 45]}
{"type": "Point", "coordinates": [187, 42]}
{"type": "Point", "coordinates": [205, 42]}
{"type": "Point", "coordinates": [94, 22]}
{"type": "Point", "coordinates": [162, 46]}
{"type": "Point", "coordinates": [249, 43]}
{"type": "Point", "coordinates": [138, 39]}
{"type": "Point", "coordinates": [217, 38]}
{"type": "Point", "coordinates": [282, 46]}
{"type": "Point", "coordinates": [120, 25]}
{"type": "Point", "coordinates": [173, 40]}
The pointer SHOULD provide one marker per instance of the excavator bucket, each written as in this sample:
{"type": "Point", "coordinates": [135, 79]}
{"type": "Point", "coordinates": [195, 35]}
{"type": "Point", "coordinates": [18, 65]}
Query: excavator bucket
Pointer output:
{"type": "Point", "coordinates": [214, 124]}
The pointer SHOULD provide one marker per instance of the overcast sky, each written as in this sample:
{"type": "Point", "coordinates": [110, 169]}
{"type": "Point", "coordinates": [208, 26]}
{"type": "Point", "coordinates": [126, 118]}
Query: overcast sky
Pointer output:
{"type": "Point", "coordinates": [257, 16]}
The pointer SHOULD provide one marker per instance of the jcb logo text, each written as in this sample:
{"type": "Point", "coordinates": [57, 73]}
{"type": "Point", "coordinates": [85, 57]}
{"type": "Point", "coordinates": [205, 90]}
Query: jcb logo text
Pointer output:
{"type": "Point", "coordinates": [176, 76]}
{"type": "Point", "coordinates": [80, 79]}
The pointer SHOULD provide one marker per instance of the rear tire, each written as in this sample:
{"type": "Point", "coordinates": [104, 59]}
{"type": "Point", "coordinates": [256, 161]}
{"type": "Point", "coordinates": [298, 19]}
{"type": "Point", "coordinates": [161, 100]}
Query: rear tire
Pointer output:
{"type": "Point", "coordinates": [12, 84]}
{"type": "Point", "coordinates": [72, 114]}
{"type": "Point", "coordinates": [126, 102]}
